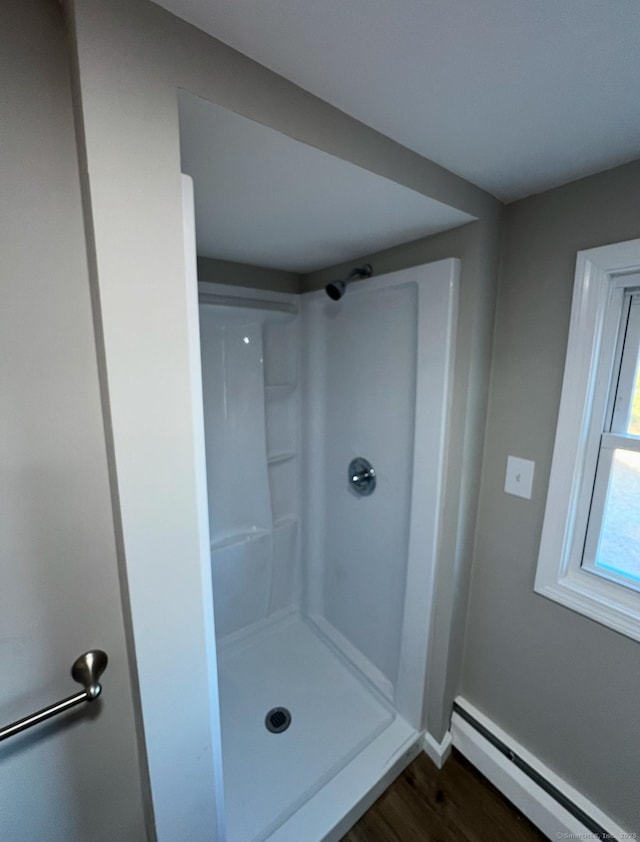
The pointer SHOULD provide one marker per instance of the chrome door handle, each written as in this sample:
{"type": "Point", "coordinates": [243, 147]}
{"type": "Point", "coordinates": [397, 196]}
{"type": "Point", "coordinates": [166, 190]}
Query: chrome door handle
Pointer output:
{"type": "Point", "coordinates": [86, 670]}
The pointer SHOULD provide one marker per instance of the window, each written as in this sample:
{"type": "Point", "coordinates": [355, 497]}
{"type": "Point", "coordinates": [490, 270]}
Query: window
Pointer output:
{"type": "Point", "coordinates": [612, 546]}
{"type": "Point", "coordinates": [590, 547]}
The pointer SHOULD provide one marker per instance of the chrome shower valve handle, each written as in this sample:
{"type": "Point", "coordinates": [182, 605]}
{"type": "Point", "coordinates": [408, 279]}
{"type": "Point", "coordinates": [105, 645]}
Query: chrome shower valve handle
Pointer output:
{"type": "Point", "coordinates": [362, 476]}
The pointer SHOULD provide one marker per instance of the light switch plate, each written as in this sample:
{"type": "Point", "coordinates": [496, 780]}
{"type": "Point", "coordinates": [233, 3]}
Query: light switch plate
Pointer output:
{"type": "Point", "coordinates": [519, 477]}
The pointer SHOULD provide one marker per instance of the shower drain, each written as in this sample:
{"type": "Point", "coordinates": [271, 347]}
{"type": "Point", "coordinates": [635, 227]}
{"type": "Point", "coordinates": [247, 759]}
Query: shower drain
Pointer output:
{"type": "Point", "coordinates": [277, 720]}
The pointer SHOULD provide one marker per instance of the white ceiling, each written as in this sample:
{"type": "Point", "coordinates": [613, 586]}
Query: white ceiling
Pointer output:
{"type": "Point", "coordinates": [268, 200]}
{"type": "Point", "coordinates": [515, 95]}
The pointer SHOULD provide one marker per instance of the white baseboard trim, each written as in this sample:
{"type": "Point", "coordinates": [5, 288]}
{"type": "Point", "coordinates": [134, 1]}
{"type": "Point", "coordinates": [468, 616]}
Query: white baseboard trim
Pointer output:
{"type": "Point", "coordinates": [437, 751]}
{"type": "Point", "coordinates": [551, 817]}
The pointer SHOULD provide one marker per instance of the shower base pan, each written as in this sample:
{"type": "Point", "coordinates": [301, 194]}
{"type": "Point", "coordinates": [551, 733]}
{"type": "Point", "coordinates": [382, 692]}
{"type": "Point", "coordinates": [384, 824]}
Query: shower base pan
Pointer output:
{"type": "Point", "coordinates": [342, 748]}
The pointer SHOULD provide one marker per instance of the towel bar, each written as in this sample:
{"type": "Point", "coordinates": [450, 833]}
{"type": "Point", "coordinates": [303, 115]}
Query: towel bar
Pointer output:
{"type": "Point", "coordinates": [86, 670]}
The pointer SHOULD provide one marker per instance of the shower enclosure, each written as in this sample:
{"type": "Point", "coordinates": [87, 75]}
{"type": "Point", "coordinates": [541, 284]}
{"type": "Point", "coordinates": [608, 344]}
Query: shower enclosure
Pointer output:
{"type": "Point", "coordinates": [323, 570]}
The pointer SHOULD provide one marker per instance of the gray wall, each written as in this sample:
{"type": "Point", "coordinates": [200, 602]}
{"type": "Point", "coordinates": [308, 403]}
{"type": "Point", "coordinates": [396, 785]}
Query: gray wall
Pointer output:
{"type": "Point", "coordinates": [77, 777]}
{"type": "Point", "coordinates": [566, 687]}
{"type": "Point", "coordinates": [477, 245]}
{"type": "Point", "coordinates": [243, 275]}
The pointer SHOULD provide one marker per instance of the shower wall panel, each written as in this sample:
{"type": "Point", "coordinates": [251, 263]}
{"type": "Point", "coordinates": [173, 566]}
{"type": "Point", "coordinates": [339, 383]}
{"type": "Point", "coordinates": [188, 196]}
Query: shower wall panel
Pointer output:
{"type": "Point", "coordinates": [252, 442]}
{"type": "Point", "coordinates": [233, 389]}
{"type": "Point", "coordinates": [360, 381]}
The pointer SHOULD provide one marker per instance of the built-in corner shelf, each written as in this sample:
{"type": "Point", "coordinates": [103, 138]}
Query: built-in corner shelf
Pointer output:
{"type": "Point", "coordinates": [283, 456]}
{"type": "Point", "coordinates": [286, 520]}
{"type": "Point", "coordinates": [238, 538]}
{"type": "Point", "coordinates": [278, 390]}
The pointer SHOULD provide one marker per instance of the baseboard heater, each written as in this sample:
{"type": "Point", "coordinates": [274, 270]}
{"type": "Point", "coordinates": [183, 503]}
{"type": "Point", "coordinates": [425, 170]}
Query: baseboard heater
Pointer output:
{"type": "Point", "coordinates": [595, 829]}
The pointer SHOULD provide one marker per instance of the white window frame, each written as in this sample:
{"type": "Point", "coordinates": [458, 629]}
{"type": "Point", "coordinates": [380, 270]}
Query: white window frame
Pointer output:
{"type": "Point", "coordinates": [602, 277]}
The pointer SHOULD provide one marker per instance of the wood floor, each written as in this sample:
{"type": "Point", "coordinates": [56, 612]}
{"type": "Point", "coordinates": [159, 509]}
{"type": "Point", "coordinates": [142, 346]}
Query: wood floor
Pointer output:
{"type": "Point", "coordinates": [455, 804]}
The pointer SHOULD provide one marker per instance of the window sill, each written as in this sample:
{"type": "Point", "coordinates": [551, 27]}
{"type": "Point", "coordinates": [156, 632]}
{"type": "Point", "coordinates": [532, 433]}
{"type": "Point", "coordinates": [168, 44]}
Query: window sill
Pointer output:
{"type": "Point", "coordinates": [607, 603]}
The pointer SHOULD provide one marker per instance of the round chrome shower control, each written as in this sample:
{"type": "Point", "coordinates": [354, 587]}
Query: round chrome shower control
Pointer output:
{"type": "Point", "coordinates": [362, 476]}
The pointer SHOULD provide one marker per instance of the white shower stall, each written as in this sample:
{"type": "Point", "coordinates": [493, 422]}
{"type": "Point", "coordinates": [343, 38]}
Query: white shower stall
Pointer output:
{"type": "Point", "coordinates": [322, 595]}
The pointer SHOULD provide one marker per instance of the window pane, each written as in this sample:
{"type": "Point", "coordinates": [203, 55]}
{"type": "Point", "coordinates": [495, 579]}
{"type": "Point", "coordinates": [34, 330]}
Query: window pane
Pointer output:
{"type": "Point", "coordinates": [619, 547]}
{"type": "Point", "coordinates": [634, 421]}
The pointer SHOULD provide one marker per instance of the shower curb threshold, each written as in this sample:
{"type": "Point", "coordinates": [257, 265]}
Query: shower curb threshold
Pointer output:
{"type": "Point", "coordinates": [336, 807]}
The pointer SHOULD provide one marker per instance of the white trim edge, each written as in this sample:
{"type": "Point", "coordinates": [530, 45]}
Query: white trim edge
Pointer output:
{"type": "Point", "coordinates": [438, 752]}
{"type": "Point", "coordinates": [530, 798]}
